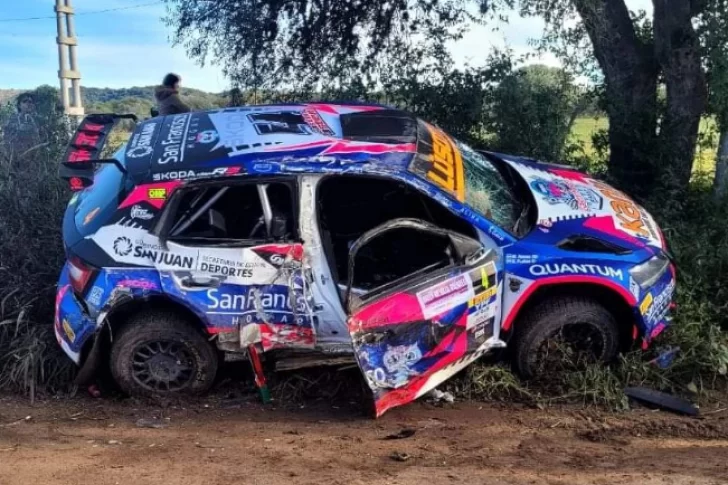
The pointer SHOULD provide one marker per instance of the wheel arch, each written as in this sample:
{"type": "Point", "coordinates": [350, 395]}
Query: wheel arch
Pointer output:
{"type": "Point", "coordinates": [119, 314]}
{"type": "Point", "coordinates": [97, 348]}
{"type": "Point", "coordinates": [617, 300]}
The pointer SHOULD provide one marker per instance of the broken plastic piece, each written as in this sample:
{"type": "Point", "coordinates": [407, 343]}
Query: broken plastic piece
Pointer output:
{"type": "Point", "coordinates": [440, 396]}
{"type": "Point", "coordinates": [666, 358]}
{"type": "Point", "coordinates": [259, 375]}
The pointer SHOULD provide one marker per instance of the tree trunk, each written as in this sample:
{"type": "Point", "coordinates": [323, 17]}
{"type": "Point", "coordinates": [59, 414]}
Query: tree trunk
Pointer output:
{"type": "Point", "coordinates": [720, 186]}
{"type": "Point", "coordinates": [677, 49]}
{"type": "Point", "coordinates": [630, 73]}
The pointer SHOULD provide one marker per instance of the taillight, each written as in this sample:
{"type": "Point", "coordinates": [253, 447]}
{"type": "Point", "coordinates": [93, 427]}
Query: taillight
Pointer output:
{"type": "Point", "coordinates": [80, 274]}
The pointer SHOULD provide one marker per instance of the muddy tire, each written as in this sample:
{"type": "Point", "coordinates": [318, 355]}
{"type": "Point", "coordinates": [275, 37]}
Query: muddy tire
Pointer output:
{"type": "Point", "coordinates": [160, 353]}
{"type": "Point", "coordinates": [562, 334]}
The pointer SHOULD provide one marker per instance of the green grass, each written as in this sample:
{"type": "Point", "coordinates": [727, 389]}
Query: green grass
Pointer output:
{"type": "Point", "coordinates": [584, 129]}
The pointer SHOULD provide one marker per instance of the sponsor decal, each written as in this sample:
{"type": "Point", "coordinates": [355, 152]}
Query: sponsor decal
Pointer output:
{"type": "Point", "coordinates": [445, 295]}
{"type": "Point", "coordinates": [252, 301]}
{"type": "Point", "coordinates": [79, 156]}
{"type": "Point", "coordinates": [189, 174]}
{"type": "Point", "coordinates": [95, 295]}
{"type": "Point", "coordinates": [564, 269]}
{"type": "Point", "coordinates": [314, 120]}
{"type": "Point", "coordinates": [141, 143]}
{"type": "Point", "coordinates": [90, 216]}
{"type": "Point", "coordinates": [660, 304]}
{"type": "Point", "coordinates": [173, 145]}
{"type": "Point", "coordinates": [482, 297]}
{"type": "Point", "coordinates": [157, 193]}
{"type": "Point", "coordinates": [123, 246]}
{"type": "Point", "coordinates": [151, 253]}
{"type": "Point", "coordinates": [577, 197]}
{"type": "Point", "coordinates": [277, 259]}
{"type": "Point", "coordinates": [646, 304]}
{"type": "Point", "coordinates": [521, 258]}
{"type": "Point", "coordinates": [545, 223]}
{"type": "Point", "coordinates": [207, 136]}
{"type": "Point", "coordinates": [631, 217]}
{"type": "Point", "coordinates": [157, 255]}
{"type": "Point", "coordinates": [447, 164]}
{"type": "Point", "coordinates": [228, 267]}
{"type": "Point", "coordinates": [69, 331]}
{"type": "Point", "coordinates": [496, 234]}
{"type": "Point", "coordinates": [140, 284]}
{"type": "Point", "coordinates": [88, 140]}
{"type": "Point", "coordinates": [139, 212]}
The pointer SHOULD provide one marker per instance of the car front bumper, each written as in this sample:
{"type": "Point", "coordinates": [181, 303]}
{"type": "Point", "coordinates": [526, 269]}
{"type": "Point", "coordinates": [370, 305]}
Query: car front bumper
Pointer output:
{"type": "Point", "coordinates": [655, 306]}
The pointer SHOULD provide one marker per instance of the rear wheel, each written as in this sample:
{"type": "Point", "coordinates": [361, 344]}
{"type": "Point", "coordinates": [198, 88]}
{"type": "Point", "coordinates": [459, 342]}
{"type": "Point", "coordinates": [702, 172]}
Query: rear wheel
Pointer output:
{"type": "Point", "coordinates": [562, 335]}
{"type": "Point", "coordinates": [161, 353]}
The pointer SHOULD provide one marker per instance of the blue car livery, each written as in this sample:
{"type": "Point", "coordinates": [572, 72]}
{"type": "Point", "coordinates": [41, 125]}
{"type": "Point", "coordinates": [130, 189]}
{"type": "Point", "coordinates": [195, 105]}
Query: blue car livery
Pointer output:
{"type": "Point", "coordinates": [329, 233]}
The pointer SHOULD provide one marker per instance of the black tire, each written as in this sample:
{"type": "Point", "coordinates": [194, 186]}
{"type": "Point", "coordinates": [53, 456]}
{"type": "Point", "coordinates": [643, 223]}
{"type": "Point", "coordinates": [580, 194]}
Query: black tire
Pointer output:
{"type": "Point", "coordinates": [181, 360]}
{"type": "Point", "coordinates": [564, 320]}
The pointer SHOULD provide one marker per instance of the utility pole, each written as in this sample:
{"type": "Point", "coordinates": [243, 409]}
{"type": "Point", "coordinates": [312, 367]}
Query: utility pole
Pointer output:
{"type": "Point", "coordinates": [67, 61]}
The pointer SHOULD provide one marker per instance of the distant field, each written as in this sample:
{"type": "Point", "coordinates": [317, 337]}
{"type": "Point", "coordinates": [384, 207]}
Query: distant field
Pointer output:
{"type": "Point", "coordinates": [584, 128]}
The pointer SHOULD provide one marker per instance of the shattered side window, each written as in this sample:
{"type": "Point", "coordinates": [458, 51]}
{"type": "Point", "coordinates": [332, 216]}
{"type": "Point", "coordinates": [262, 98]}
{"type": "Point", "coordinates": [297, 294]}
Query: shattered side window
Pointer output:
{"type": "Point", "coordinates": [486, 190]}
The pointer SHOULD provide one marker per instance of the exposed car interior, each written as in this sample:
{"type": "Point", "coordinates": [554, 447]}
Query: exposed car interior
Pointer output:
{"type": "Point", "coordinates": [236, 213]}
{"type": "Point", "coordinates": [349, 206]}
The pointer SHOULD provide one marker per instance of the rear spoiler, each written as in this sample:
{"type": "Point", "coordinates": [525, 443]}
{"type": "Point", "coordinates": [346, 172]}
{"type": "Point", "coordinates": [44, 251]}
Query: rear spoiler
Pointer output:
{"type": "Point", "coordinates": [84, 150]}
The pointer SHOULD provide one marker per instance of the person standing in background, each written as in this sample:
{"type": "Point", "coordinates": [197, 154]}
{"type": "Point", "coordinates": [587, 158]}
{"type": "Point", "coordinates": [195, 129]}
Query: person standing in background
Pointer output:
{"type": "Point", "coordinates": [21, 132]}
{"type": "Point", "coordinates": [167, 96]}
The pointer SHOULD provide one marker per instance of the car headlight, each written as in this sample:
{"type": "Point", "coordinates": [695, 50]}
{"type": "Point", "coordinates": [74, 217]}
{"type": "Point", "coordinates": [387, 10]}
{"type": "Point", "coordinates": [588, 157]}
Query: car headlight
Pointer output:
{"type": "Point", "coordinates": [647, 273]}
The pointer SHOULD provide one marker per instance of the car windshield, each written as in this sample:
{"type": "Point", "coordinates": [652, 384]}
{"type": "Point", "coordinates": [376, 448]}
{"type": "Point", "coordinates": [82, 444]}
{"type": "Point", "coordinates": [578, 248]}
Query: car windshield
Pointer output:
{"type": "Point", "coordinates": [487, 191]}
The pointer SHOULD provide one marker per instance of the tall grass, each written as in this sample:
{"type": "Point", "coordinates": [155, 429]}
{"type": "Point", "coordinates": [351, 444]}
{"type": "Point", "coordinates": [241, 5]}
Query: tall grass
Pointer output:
{"type": "Point", "coordinates": [32, 202]}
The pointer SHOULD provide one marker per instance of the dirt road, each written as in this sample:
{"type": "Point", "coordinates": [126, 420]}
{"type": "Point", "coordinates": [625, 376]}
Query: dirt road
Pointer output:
{"type": "Point", "coordinates": [85, 441]}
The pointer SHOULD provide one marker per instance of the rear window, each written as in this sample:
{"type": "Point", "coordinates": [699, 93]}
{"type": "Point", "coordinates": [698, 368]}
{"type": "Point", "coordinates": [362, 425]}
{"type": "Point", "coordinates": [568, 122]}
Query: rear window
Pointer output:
{"type": "Point", "coordinates": [97, 203]}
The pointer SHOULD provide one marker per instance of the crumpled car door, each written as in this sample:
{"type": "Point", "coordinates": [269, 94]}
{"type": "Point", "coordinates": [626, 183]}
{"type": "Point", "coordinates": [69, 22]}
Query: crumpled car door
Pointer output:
{"type": "Point", "coordinates": [420, 332]}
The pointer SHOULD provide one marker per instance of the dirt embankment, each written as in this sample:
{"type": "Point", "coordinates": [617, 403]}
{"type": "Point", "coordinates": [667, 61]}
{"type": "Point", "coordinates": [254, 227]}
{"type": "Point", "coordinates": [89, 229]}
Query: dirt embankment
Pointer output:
{"type": "Point", "coordinates": [100, 442]}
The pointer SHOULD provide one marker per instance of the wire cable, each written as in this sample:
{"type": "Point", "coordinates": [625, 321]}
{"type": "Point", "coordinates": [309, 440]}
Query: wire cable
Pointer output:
{"type": "Point", "coordinates": [89, 12]}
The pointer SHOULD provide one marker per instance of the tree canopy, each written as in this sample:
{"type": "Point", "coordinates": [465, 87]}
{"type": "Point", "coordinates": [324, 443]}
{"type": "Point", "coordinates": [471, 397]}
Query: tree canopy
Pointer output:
{"type": "Point", "coordinates": [285, 43]}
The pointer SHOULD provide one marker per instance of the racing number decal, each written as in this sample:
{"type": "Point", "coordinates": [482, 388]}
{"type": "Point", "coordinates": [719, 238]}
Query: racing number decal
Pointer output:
{"type": "Point", "coordinates": [283, 122]}
{"type": "Point", "coordinates": [447, 164]}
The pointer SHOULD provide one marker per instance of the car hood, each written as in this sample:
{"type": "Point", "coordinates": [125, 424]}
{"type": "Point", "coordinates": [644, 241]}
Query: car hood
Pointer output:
{"type": "Point", "coordinates": [566, 195]}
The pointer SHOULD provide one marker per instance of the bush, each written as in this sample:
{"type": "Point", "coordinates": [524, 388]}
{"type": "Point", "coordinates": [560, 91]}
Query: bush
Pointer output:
{"type": "Point", "coordinates": [33, 200]}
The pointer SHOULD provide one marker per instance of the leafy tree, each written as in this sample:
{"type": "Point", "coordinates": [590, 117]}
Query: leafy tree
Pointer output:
{"type": "Point", "coordinates": [282, 42]}
{"type": "Point", "coordinates": [267, 43]}
{"type": "Point", "coordinates": [651, 145]}
{"type": "Point", "coordinates": [713, 28]}
{"type": "Point", "coordinates": [533, 111]}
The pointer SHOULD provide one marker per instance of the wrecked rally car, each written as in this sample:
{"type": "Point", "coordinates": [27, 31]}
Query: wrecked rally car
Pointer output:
{"type": "Point", "coordinates": [316, 234]}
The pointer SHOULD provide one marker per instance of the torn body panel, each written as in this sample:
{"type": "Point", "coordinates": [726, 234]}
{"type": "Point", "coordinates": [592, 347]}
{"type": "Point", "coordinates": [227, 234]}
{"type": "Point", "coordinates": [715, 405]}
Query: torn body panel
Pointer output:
{"type": "Point", "coordinates": [410, 336]}
{"type": "Point", "coordinates": [412, 340]}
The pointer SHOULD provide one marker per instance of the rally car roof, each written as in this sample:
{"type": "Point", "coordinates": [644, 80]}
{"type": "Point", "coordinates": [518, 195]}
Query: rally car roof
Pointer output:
{"type": "Point", "coordinates": [250, 138]}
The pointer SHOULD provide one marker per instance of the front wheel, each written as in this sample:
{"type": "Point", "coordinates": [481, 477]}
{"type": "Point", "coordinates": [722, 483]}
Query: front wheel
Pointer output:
{"type": "Point", "coordinates": [160, 353]}
{"type": "Point", "coordinates": [562, 334]}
